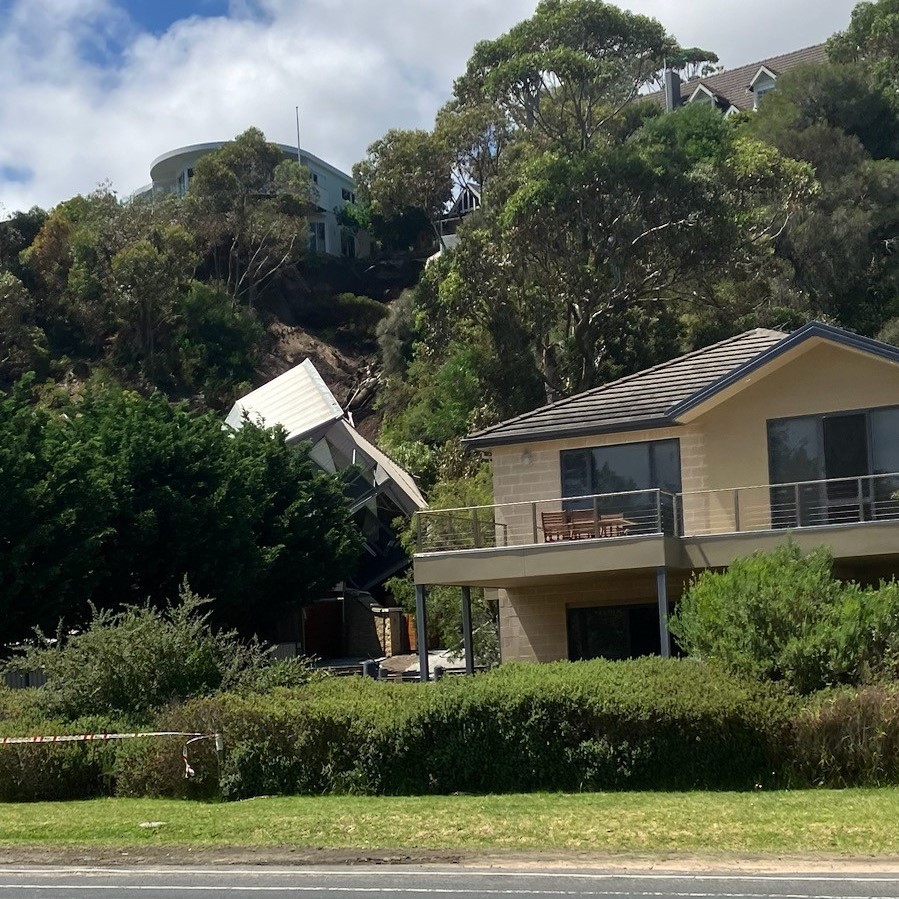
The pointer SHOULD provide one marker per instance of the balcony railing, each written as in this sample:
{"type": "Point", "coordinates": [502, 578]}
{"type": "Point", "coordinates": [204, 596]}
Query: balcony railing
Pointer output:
{"type": "Point", "coordinates": [629, 513]}
{"type": "Point", "coordinates": [838, 501]}
{"type": "Point", "coordinates": [796, 505]}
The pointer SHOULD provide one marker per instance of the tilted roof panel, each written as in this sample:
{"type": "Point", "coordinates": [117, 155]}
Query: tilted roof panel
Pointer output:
{"type": "Point", "coordinates": [299, 400]}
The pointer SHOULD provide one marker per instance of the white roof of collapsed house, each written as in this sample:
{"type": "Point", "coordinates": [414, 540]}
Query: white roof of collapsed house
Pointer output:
{"type": "Point", "coordinates": [388, 474]}
{"type": "Point", "coordinates": [300, 401]}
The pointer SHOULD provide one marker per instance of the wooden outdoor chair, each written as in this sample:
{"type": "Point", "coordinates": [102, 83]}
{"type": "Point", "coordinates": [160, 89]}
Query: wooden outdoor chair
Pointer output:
{"type": "Point", "coordinates": [583, 524]}
{"type": "Point", "coordinates": [556, 526]}
{"type": "Point", "coordinates": [613, 525]}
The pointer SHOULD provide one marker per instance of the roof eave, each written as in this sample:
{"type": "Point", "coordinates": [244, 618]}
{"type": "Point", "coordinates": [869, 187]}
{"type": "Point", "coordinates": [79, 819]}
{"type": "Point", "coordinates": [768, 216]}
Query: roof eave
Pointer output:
{"type": "Point", "coordinates": [637, 424]}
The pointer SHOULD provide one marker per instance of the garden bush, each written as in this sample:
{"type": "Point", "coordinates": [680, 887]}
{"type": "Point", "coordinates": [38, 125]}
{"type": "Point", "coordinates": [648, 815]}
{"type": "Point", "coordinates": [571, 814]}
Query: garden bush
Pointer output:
{"type": "Point", "coordinates": [661, 724]}
{"type": "Point", "coordinates": [135, 661]}
{"type": "Point", "coordinates": [848, 738]}
{"type": "Point", "coordinates": [783, 616]}
{"type": "Point", "coordinates": [644, 724]}
{"type": "Point", "coordinates": [31, 772]}
{"type": "Point", "coordinates": [648, 724]}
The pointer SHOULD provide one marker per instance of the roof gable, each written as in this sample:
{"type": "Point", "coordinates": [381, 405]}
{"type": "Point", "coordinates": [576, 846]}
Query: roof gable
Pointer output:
{"type": "Point", "coordinates": [763, 70]}
{"type": "Point", "coordinates": [819, 330]}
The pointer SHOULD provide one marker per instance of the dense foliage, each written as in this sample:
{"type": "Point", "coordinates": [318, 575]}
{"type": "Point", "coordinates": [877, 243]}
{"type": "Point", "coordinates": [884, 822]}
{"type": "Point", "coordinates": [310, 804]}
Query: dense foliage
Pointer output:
{"type": "Point", "coordinates": [158, 291]}
{"type": "Point", "coordinates": [783, 616]}
{"type": "Point", "coordinates": [136, 661]}
{"type": "Point", "coordinates": [650, 723]}
{"type": "Point", "coordinates": [611, 235]}
{"type": "Point", "coordinates": [119, 497]}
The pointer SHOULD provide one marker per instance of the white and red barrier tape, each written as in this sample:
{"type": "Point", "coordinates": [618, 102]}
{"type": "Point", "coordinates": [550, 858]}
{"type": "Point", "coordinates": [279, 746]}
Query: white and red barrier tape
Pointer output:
{"type": "Point", "coordinates": [105, 737]}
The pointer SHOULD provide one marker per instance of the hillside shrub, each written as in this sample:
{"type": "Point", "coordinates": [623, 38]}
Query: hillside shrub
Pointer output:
{"type": "Point", "coordinates": [344, 314]}
{"type": "Point", "coordinates": [782, 616]}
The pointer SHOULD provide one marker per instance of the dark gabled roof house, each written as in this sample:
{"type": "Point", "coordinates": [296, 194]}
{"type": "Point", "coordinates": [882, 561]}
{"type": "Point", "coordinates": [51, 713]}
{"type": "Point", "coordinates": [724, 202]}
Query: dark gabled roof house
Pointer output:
{"type": "Point", "coordinates": [738, 89]}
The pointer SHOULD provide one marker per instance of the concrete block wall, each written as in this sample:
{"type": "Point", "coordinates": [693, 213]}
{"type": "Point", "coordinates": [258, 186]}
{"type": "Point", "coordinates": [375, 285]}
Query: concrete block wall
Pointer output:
{"type": "Point", "coordinates": [531, 472]}
{"type": "Point", "coordinates": [533, 620]}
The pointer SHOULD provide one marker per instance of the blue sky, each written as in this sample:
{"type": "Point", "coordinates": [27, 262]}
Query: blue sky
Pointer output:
{"type": "Point", "coordinates": [157, 15]}
{"type": "Point", "coordinates": [93, 90]}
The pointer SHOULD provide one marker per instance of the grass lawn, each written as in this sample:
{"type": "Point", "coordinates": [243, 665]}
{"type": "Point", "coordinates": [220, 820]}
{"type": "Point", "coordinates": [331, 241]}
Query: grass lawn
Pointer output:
{"type": "Point", "coordinates": [845, 821]}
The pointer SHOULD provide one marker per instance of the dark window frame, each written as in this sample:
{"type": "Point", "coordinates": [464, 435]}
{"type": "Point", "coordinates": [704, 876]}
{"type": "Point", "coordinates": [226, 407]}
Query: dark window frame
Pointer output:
{"type": "Point", "coordinates": [818, 492]}
{"type": "Point", "coordinates": [653, 473]}
{"type": "Point", "coordinates": [645, 513]}
{"type": "Point", "coordinates": [818, 418]}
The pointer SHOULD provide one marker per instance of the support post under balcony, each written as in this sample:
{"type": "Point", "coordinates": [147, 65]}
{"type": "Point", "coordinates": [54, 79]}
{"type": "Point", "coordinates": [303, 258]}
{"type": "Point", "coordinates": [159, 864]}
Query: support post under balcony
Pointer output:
{"type": "Point", "coordinates": [662, 594]}
{"type": "Point", "coordinates": [467, 635]}
{"type": "Point", "coordinates": [421, 630]}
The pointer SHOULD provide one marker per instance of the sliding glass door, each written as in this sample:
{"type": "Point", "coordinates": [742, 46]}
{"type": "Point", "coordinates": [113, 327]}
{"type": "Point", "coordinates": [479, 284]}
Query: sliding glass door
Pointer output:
{"type": "Point", "coordinates": [846, 450]}
{"type": "Point", "coordinates": [795, 454]}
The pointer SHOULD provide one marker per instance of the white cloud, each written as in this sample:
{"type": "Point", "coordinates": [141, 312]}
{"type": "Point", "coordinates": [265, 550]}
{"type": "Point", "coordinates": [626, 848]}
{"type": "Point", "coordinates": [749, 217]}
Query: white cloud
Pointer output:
{"type": "Point", "coordinates": [85, 96]}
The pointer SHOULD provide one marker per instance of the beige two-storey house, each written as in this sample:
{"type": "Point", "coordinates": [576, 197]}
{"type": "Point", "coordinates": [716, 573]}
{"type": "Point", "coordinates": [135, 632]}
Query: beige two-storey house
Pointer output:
{"type": "Point", "coordinates": [607, 503]}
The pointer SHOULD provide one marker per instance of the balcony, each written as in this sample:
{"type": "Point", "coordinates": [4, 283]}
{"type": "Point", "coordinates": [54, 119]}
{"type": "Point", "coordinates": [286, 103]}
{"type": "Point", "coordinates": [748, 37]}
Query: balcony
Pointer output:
{"type": "Point", "coordinates": [516, 542]}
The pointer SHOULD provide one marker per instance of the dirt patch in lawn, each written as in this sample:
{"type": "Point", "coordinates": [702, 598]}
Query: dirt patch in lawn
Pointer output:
{"type": "Point", "coordinates": [818, 863]}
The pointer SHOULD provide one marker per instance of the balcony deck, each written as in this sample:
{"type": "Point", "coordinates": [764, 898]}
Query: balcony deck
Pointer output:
{"type": "Point", "coordinates": [567, 538]}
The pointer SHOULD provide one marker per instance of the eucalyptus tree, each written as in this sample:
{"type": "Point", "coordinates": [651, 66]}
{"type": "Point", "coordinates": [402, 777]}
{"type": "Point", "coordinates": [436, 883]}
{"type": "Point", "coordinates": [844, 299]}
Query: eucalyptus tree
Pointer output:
{"type": "Point", "coordinates": [403, 171]}
{"type": "Point", "coordinates": [842, 244]}
{"type": "Point", "coordinates": [567, 71]}
{"type": "Point", "coordinates": [22, 341]}
{"type": "Point", "coordinates": [248, 204]}
{"type": "Point", "coordinates": [872, 39]}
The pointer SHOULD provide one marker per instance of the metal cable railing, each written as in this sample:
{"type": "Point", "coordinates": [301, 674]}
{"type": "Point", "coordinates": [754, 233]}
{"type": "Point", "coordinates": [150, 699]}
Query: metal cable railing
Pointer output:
{"type": "Point", "coordinates": [636, 513]}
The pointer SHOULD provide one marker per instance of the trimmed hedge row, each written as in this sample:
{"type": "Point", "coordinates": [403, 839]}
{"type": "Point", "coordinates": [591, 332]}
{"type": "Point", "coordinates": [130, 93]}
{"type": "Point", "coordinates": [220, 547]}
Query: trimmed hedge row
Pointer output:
{"type": "Point", "coordinates": [647, 724]}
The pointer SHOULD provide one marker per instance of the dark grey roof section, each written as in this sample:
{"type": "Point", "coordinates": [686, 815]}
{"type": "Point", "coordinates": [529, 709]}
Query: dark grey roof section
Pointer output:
{"type": "Point", "coordinates": [657, 397]}
{"type": "Point", "coordinates": [731, 88]}
{"type": "Point", "coordinates": [813, 329]}
{"type": "Point", "coordinates": [642, 400]}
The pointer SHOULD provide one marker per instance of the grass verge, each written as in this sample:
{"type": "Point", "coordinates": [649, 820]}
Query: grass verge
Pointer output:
{"type": "Point", "coordinates": [863, 821]}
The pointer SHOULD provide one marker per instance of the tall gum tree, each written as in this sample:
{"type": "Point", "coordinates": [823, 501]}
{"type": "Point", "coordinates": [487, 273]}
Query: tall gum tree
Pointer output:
{"type": "Point", "coordinates": [568, 70]}
{"type": "Point", "coordinates": [248, 205]}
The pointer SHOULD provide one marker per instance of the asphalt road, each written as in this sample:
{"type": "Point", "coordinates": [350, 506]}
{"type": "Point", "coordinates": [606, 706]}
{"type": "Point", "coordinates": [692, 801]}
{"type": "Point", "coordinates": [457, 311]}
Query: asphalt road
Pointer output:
{"type": "Point", "coordinates": [402, 882]}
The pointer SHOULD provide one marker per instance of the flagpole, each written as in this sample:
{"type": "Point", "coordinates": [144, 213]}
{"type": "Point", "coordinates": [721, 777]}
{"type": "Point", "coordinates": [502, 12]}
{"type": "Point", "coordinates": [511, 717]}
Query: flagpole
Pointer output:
{"type": "Point", "coordinates": [299, 158]}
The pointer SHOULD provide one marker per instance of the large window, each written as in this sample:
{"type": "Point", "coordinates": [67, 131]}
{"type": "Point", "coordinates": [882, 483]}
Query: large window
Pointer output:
{"type": "Point", "coordinates": [613, 632]}
{"type": "Point", "coordinates": [624, 478]}
{"type": "Point", "coordinates": [851, 451]}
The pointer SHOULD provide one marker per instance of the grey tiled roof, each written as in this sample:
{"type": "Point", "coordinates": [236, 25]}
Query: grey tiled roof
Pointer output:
{"type": "Point", "coordinates": [732, 87]}
{"type": "Point", "coordinates": [641, 400]}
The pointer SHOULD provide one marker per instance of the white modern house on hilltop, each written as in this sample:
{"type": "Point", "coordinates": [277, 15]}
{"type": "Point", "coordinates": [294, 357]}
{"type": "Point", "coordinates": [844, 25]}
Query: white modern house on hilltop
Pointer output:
{"type": "Point", "coordinates": [172, 172]}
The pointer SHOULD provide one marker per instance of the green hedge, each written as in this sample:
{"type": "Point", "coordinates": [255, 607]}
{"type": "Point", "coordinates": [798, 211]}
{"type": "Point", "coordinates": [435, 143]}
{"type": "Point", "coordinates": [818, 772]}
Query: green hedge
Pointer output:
{"type": "Point", "coordinates": [645, 724]}
{"type": "Point", "coordinates": [648, 724]}
{"type": "Point", "coordinates": [847, 738]}
{"type": "Point", "coordinates": [31, 772]}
